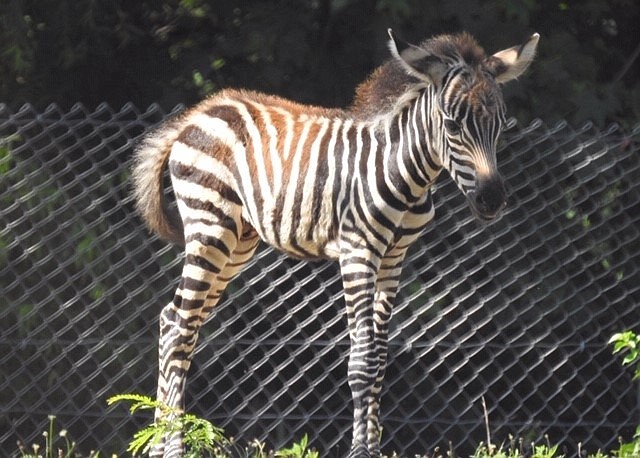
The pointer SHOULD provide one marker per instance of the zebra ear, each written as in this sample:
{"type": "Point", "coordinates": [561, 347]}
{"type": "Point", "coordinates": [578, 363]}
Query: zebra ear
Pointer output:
{"type": "Point", "coordinates": [510, 63]}
{"type": "Point", "coordinates": [416, 61]}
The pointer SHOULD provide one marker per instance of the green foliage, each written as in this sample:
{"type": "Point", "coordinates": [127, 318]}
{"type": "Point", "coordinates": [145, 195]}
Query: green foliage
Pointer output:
{"type": "Point", "coordinates": [624, 342]}
{"type": "Point", "coordinates": [491, 451]}
{"type": "Point", "coordinates": [298, 450]}
{"type": "Point", "coordinates": [138, 402]}
{"type": "Point", "coordinates": [181, 50]}
{"type": "Point", "coordinates": [545, 451]}
{"type": "Point", "coordinates": [200, 437]}
{"type": "Point", "coordinates": [629, 449]}
{"type": "Point", "coordinates": [5, 159]}
{"type": "Point", "coordinates": [516, 450]}
{"type": "Point", "coordinates": [628, 342]}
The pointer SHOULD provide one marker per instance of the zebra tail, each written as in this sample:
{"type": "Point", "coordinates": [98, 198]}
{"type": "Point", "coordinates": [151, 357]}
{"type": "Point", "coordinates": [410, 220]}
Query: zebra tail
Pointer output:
{"type": "Point", "coordinates": [149, 161]}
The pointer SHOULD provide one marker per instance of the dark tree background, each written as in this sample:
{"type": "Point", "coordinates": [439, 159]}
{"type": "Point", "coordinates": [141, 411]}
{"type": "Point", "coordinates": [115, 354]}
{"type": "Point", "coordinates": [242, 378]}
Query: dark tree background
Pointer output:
{"type": "Point", "coordinates": [178, 51]}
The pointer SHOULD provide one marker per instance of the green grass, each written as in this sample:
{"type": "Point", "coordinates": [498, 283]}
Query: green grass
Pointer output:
{"type": "Point", "coordinates": [203, 439]}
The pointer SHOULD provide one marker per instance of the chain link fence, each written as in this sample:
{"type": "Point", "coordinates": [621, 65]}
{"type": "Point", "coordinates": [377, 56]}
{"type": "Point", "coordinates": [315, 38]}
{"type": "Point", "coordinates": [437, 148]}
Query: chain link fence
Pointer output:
{"type": "Point", "coordinates": [517, 312]}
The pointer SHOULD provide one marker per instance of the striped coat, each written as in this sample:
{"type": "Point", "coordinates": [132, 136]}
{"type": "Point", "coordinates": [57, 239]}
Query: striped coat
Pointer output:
{"type": "Point", "coordinates": [350, 185]}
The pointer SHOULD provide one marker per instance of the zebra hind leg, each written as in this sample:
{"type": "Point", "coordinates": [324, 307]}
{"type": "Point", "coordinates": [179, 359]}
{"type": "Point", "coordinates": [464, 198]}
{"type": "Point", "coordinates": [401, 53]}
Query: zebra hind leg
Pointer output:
{"type": "Point", "coordinates": [209, 267]}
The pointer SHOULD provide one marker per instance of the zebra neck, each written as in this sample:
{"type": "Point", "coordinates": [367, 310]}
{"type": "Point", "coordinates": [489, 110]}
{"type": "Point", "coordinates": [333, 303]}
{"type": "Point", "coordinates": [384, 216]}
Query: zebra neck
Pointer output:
{"type": "Point", "coordinates": [411, 144]}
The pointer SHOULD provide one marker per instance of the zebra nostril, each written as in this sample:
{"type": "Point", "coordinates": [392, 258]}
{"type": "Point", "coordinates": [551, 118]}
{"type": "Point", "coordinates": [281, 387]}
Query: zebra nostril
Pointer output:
{"type": "Point", "coordinates": [488, 201]}
{"type": "Point", "coordinates": [481, 201]}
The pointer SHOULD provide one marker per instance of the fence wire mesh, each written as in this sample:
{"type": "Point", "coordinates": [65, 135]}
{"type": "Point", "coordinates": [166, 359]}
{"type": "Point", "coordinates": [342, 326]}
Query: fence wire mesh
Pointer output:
{"type": "Point", "coordinates": [517, 312]}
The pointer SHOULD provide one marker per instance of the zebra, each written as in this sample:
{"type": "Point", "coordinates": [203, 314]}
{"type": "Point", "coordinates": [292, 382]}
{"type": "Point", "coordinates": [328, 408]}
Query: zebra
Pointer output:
{"type": "Point", "coordinates": [351, 185]}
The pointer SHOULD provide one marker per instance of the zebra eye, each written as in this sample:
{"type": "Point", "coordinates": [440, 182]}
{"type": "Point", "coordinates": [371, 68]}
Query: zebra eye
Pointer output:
{"type": "Point", "coordinates": [452, 126]}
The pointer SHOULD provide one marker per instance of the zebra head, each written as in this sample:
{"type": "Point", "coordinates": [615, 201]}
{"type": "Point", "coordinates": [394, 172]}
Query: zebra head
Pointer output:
{"type": "Point", "coordinates": [466, 109]}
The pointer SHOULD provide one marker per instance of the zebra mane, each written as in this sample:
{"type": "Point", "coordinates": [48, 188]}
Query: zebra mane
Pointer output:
{"type": "Point", "coordinates": [390, 83]}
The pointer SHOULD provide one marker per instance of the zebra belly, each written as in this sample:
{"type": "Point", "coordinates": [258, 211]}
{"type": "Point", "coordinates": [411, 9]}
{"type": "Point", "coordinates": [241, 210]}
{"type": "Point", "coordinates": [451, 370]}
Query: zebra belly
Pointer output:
{"type": "Point", "coordinates": [296, 233]}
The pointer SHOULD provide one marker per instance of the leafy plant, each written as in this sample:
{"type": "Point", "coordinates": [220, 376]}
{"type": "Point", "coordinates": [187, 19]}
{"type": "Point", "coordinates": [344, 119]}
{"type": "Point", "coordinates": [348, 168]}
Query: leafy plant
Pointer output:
{"type": "Point", "coordinates": [516, 449]}
{"type": "Point", "coordinates": [629, 449]}
{"type": "Point", "coordinates": [298, 450]}
{"type": "Point", "coordinates": [628, 342]}
{"type": "Point", "coordinates": [545, 451]}
{"type": "Point", "coordinates": [200, 437]}
{"type": "Point", "coordinates": [491, 451]}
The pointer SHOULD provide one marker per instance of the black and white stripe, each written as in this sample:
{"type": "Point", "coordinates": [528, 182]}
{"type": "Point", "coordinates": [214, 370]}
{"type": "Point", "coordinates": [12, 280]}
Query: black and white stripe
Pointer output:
{"type": "Point", "coordinates": [349, 185]}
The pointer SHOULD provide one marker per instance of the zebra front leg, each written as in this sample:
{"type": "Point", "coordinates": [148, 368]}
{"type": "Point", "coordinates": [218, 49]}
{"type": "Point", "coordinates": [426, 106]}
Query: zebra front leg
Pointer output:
{"type": "Point", "coordinates": [358, 279]}
{"type": "Point", "coordinates": [387, 284]}
{"type": "Point", "coordinates": [386, 287]}
{"type": "Point", "coordinates": [361, 375]}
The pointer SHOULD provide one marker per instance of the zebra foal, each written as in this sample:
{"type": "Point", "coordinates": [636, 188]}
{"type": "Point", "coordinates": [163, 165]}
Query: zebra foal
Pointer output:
{"type": "Point", "coordinates": [352, 185]}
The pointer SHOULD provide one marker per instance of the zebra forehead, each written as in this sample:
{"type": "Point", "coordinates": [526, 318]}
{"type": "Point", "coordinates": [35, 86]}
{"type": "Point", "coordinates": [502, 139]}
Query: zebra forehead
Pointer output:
{"type": "Point", "coordinates": [473, 79]}
{"type": "Point", "coordinates": [459, 46]}
{"type": "Point", "coordinates": [475, 95]}
{"type": "Point", "coordinates": [484, 96]}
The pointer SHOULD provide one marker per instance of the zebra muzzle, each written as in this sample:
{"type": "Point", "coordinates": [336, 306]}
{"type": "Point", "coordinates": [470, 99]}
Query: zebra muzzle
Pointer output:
{"type": "Point", "coordinates": [489, 199]}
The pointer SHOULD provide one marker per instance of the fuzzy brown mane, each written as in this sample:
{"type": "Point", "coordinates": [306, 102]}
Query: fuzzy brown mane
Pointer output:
{"type": "Point", "coordinates": [390, 81]}
{"type": "Point", "coordinates": [384, 86]}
